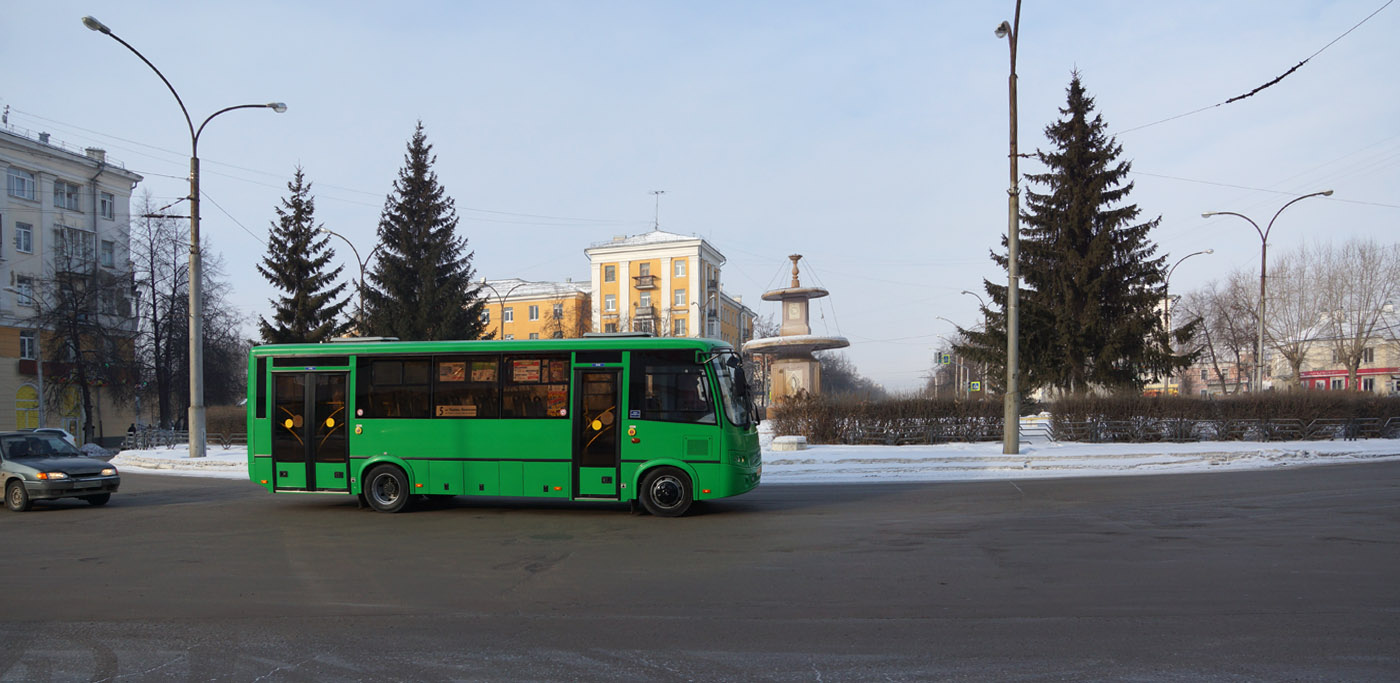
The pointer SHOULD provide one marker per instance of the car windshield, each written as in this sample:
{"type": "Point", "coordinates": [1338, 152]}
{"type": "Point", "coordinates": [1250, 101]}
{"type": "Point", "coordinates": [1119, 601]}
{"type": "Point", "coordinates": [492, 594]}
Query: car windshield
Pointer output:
{"type": "Point", "coordinates": [733, 389]}
{"type": "Point", "coordinates": [37, 445]}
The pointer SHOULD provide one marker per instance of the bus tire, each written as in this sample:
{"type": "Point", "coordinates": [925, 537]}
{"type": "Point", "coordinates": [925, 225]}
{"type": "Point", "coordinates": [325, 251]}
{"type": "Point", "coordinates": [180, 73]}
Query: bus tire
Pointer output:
{"type": "Point", "coordinates": [666, 492]}
{"type": "Point", "coordinates": [386, 489]}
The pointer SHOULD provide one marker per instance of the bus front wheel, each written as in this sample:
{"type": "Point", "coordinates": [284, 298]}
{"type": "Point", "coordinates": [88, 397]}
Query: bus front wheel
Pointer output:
{"type": "Point", "coordinates": [666, 492]}
{"type": "Point", "coordinates": [386, 489]}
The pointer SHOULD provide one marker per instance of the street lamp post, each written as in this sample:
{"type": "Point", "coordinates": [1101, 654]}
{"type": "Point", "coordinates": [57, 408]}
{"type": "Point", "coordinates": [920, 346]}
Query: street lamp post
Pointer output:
{"type": "Point", "coordinates": [360, 288]}
{"type": "Point", "coordinates": [1011, 413]}
{"type": "Point", "coordinates": [1167, 309]}
{"type": "Point", "coordinates": [196, 414]}
{"type": "Point", "coordinates": [502, 299]}
{"type": "Point", "coordinates": [1263, 266]}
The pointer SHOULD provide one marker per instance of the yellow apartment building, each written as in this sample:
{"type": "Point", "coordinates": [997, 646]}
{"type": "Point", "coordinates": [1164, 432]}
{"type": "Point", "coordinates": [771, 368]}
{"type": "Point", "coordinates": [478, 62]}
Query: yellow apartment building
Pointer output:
{"type": "Point", "coordinates": [666, 284]}
{"type": "Point", "coordinates": [522, 309]}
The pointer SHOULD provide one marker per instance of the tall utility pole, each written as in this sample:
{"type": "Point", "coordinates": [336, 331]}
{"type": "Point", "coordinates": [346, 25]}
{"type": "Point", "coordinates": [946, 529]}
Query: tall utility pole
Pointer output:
{"type": "Point", "coordinates": [1011, 414]}
{"type": "Point", "coordinates": [1263, 267]}
{"type": "Point", "coordinates": [196, 415]}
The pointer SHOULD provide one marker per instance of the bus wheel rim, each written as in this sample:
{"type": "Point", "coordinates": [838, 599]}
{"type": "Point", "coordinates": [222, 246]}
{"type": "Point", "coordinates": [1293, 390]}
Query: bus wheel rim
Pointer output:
{"type": "Point", "coordinates": [385, 489]}
{"type": "Point", "coordinates": [666, 491]}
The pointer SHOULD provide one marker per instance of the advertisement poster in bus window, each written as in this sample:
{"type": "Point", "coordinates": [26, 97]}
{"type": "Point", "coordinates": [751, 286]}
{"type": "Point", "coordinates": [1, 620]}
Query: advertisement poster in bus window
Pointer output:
{"type": "Point", "coordinates": [558, 371]}
{"type": "Point", "coordinates": [483, 371]}
{"type": "Point", "coordinates": [525, 371]}
{"type": "Point", "coordinates": [558, 399]}
{"type": "Point", "coordinates": [455, 371]}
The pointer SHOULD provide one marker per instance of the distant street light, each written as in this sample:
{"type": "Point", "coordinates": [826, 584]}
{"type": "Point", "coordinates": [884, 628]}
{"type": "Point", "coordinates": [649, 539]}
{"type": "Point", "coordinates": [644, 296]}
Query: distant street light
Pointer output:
{"type": "Point", "coordinates": [1011, 413]}
{"type": "Point", "coordinates": [976, 296]}
{"type": "Point", "coordinates": [502, 298]}
{"type": "Point", "coordinates": [1263, 265]}
{"type": "Point", "coordinates": [359, 317]}
{"type": "Point", "coordinates": [196, 415]}
{"type": "Point", "coordinates": [1167, 309]}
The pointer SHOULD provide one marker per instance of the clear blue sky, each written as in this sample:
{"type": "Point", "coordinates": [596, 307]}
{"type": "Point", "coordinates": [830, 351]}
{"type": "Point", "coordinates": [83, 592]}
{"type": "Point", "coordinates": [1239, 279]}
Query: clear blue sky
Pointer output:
{"type": "Point", "coordinates": [870, 137]}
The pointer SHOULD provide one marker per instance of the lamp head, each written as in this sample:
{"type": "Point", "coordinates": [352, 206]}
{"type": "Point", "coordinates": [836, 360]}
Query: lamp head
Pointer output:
{"type": "Point", "coordinates": [94, 24]}
{"type": "Point", "coordinates": [1209, 251]}
{"type": "Point", "coordinates": [1003, 29]}
{"type": "Point", "coordinates": [1208, 214]}
{"type": "Point", "coordinates": [1327, 193]}
{"type": "Point", "coordinates": [278, 107]}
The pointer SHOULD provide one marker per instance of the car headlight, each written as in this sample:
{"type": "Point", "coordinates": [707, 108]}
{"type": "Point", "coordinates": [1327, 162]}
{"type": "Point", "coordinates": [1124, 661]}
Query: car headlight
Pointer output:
{"type": "Point", "coordinates": [52, 475]}
{"type": "Point", "coordinates": [109, 471]}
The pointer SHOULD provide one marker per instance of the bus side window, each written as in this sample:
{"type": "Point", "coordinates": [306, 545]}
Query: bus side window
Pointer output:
{"type": "Point", "coordinates": [669, 386]}
{"type": "Point", "coordinates": [466, 386]}
{"type": "Point", "coordinates": [393, 387]}
{"type": "Point", "coordinates": [535, 386]}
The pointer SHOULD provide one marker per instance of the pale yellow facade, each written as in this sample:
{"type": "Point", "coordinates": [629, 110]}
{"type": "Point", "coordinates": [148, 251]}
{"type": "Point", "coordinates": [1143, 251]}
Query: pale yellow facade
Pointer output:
{"type": "Point", "coordinates": [521, 309]}
{"type": "Point", "coordinates": [666, 284]}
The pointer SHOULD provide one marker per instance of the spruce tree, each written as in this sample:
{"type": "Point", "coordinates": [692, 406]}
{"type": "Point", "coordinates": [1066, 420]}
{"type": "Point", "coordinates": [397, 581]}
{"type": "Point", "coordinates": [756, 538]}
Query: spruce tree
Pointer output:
{"type": "Point", "coordinates": [422, 281]}
{"type": "Point", "coordinates": [298, 255]}
{"type": "Point", "coordinates": [1091, 283]}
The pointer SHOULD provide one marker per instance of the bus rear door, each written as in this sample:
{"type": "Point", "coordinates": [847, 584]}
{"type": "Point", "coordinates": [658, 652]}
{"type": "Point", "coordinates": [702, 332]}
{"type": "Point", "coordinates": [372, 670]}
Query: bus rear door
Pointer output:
{"type": "Point", "coordinates": [310, 449]}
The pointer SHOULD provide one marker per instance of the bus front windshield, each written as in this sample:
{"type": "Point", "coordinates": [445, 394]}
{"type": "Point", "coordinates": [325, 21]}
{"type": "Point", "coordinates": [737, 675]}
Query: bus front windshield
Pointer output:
{"type": "Point", "coordinates": [734, 392]}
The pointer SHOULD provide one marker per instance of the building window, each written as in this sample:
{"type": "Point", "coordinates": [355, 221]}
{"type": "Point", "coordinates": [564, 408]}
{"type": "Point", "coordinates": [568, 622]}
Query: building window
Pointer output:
{"type": "Point", "coordinates": [485, 316]}
{"type": "Point", "coordinates": [1368, 384]}
{"type": "Point", "coordinates": [107, 205]}
{"type": "Point", "coordinates": [510, 336]}
{"type": "Point", "coordinates": [678, 327]}
{"type": "Point", "coordinates": [610, 327]}
{"type": "Point", "coordinates": [609, 273]}
{"type": "Point", "coordinates": [109, 253]}
{"type": "Point", "coordinates": [24, 238]}
{"type": "Point", "coordinates": [558, 311]}
{"type": "Point", "coordinates": [74, 244]}
{"type": "Point", "coordinates": [1368, 355]}
{"type": "Point", "coordinates": [1205, 375]}
{"type": "Point", "coordinates": [26, 407]}
{"type": "Point", "coordinates": [644, 269]}
{"type": "Point", "coordinates": [534, 335]}
{"type": "Point", "coordinates": [679, 300]}
{"type": "Point", "coordinates": [558, 335]}
{"type": "Point", "coordinates": [24, 287]}
{"type": "Point", "coordinates": [679, 268]}
{"type": "Point", "coordinates": [20, 184]}
{"type": "Point", "coordinates": [508, 315]}
{"type": "Point", "coordinates": [534, 312]}
{"type": "Point", "coordinates": [107, 300]}
{"type": "Point", "coordinates": [28, 344]}
{"type": "Point", "coordinates": [610, 302]}
{"type": "Point", "coordinates": [65, 195]}
{"type": "Point", "coordinates": [1339, 383]}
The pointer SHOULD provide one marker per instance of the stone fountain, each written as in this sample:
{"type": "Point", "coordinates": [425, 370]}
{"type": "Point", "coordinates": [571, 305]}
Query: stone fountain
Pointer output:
{"type": "Point", "coordinates": [794, 371]}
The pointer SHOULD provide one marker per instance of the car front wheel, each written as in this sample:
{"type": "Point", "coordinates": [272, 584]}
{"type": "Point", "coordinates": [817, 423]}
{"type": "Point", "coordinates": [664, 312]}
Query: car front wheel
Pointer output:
{"type": "Point", "coordinates": [99, 499]}
{"type": "Point", "coordinates": [16, 498]}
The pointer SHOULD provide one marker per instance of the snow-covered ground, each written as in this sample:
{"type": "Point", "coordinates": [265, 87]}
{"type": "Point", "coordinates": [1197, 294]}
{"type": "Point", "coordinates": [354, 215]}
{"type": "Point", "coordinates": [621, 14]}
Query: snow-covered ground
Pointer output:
{"type": "Point", "coordinates": [943, 462]}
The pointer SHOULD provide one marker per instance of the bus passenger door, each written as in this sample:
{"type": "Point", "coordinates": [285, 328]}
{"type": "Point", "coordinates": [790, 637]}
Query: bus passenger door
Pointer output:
{"type": "Point", "coordinates": [597, 420]}
{"type": "Point", "coordinates": [310, 448]}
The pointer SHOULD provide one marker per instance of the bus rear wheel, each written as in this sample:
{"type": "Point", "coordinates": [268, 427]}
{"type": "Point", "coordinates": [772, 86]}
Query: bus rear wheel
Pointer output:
{"type": "Point", "coordinates": [666, 492]}
{"type": "Point", "coordinates": [386, 489]}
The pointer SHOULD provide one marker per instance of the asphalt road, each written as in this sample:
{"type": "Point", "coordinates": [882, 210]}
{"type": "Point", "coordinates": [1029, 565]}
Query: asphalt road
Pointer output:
{"type": "Point", "coordinates": [1280, 575]}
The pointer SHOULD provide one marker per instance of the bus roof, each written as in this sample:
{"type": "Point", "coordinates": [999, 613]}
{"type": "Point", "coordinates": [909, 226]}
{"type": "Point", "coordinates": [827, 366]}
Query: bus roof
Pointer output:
{"type": "Point", "coordinates": [620, 343]}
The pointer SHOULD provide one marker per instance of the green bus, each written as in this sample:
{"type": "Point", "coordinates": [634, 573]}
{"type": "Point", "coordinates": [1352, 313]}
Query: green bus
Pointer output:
{"type": "Point", "coordinates": [658, 421]}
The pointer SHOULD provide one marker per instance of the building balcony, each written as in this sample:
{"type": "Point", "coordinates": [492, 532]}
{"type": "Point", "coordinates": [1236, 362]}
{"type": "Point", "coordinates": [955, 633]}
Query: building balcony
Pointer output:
{"type": "Point", "coordinates": [644, 312]}
{"type": "Point", "coordinates": [644, 282]}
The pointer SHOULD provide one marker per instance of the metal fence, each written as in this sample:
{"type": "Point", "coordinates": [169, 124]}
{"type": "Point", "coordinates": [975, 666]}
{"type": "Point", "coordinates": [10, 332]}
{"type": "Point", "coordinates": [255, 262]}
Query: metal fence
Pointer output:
{"type": "Point", "coordinates": [151, 437]}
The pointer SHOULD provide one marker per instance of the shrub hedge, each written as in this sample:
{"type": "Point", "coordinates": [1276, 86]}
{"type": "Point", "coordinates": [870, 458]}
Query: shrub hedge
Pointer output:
{"type": "Point", "coordinates": [1266, 417]}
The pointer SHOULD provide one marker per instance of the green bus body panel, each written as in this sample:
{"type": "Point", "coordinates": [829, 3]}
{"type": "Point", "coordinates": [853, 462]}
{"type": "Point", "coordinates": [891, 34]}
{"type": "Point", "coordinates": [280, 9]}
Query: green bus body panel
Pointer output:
{"type": "Point", "coordinates": [530, 457]}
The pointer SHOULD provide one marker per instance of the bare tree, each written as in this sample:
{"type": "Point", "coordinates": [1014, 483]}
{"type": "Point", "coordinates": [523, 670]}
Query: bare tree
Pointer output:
{"type": "Point", "coordinates": [1295, 309]}
{"type": "Point", "coordinates": [1227, 332]}
{"type": "Point", "coordinates": [89, 312]}
{"type": "Point", "coordinates": [158, 252]}
{"type": "Point", "coordinates": [1357, 281]}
